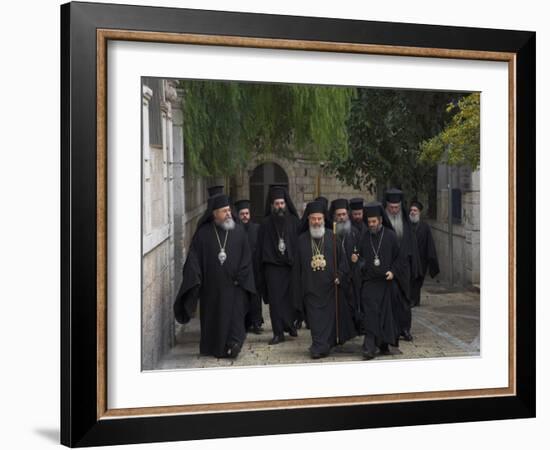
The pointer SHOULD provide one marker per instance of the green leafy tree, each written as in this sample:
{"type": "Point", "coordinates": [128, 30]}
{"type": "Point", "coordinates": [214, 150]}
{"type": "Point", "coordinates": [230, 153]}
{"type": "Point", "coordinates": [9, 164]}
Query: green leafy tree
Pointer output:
{"type": "Point", "coordinates": [228, 123]}
{"type": "Point", "coordinates": [386, 128]}
{"type": "Point", "coordinates": [458, 142]}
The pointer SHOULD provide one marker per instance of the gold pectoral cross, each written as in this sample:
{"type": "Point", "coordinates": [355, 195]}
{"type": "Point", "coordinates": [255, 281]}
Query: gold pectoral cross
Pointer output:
{"type": "Point", "coordinates": [318, 262]}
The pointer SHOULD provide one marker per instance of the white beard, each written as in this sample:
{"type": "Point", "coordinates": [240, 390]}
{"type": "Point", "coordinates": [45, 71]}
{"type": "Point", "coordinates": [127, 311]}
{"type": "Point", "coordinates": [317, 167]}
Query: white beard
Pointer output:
{"type": "Point", "coordinates": [228, 224]}
{"type": "Point", "coordinates": [317, 232]}
{"type": "Point", "coordinates": [397, 223]}
{"type": "Point", "coordinates": [343, 228]}
{"type": "Point", "coordinates": [414, 219]}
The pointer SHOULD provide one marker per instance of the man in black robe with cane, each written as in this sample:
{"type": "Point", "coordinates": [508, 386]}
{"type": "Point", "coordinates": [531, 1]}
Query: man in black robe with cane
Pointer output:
{"type": "Point", "coordinates": [253, 319]}
{"type": "Point", "coordinates": [218, 271]}
{"type": "Point", "coordinates": [380, 252]}
{"type": "Point", "coordinates": [318, 272]}
{"type": "Point", "coordinates": [349, 238]}
{"type": "Point", "coordinates": [275, 256]}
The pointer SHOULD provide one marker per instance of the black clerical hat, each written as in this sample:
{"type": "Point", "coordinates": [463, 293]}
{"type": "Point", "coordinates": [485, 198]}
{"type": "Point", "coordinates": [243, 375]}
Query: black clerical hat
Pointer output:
{"type": "Point", "coordinates": [218, 201]}
{"type": "Point", "coordinates": [242, 204]}
{"type": "Point", "coordinates": [315, 207]}
{"type": "Point", "coordinates": [394, 195]}
{"type": "Point", "coordinates": [374, 209]}
{"type": "Point", "coordinates": [213, 190]}
{"type": "Point", "coordinates": [356, 203]}
{"type": "Point", "coordinates": [339, 203]}
{"type": "Point", "coordinates": [277, 192]}
{"type": "Point", "coordinates": [323, 200]}
{"type": "Point", "coordinates": [416, 203]}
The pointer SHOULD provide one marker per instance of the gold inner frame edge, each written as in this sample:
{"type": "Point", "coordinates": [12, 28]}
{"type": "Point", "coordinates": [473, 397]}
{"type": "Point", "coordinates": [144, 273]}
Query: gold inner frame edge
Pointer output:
{"type": "Point", "coordinates": [103, 36]}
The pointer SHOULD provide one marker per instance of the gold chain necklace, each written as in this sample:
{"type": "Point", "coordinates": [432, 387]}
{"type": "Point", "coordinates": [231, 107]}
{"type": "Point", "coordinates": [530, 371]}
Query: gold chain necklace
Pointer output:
{"type": "Point", "coordinates": [318, 261]}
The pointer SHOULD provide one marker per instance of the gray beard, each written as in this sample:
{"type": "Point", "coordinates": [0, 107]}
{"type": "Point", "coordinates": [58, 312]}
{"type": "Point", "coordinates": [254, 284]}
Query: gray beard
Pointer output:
{"type": "Point", "coordinates": [414, 219]}
{"type": "Point", "coordinates": [317, 232]}
{"type": "Point", "coordinates": [397, 223]}
{"type": "Point", "coordinates": [343, 228]}
{"type": "Point", "coordinates": [228, 224]}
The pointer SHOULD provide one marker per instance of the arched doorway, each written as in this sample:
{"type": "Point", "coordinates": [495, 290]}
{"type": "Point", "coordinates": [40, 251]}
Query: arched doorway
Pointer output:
{"type": "Point", "coordinates": [263, 176]}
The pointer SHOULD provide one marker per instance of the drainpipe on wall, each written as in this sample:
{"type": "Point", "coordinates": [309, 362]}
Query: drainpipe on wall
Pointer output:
{"type": "Point", "coordinates": [450, 219]}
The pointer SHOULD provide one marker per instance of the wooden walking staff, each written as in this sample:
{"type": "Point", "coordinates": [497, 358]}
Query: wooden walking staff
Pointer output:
{"type": "Point", "coordinates": [335, 277]}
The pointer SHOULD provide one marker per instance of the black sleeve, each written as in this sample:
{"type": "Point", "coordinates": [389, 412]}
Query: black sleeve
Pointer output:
{"type": "Point", "coordinates": [245, 274]}
{"type": "Point", "coordinates": [258, 267]}
{"type": "Point", "coordinates": [296, 284]}
{"type": "Point", "coordinates": [188, 294]}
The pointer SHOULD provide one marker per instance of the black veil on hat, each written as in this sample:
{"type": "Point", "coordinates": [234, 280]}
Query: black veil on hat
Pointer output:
{"type": "Point", "coordinates": [213, 190]}
{"type": "Point", "coordinates": [339, 203]}
{"type": "Point", "coordinates": [326, 213]}
{"type": "Point", "coordinates": [416, 203]}
{"type": "Point", "coordinates": [215, 202]}
{"type": "Point", "coordinates": [242, 204]}
{"type": "Point", "coordinates": [279, 191]}
{"type": "Point", "coordinates": [323, 201]}
{"type": "Point", "coordinates": [238, 205]}
{"type": "Point", "coordinates": [312, 207]}
{"type": "Point", "coordinates": [356, 203]}
{"type": "Point", "coordinates": [393, 195]}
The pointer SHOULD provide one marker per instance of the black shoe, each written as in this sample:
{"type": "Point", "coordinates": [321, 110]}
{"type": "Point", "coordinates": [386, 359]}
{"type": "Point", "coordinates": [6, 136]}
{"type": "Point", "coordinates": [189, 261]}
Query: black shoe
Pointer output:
{"type": "Point", "coordinates": [367, 356]}
{"type": "Point", "coordinates": [318, 355]}
{"type": "Point", "coordinates": [385, 349]}
{"type": "Point", "coordinates": [407, 336]}
{"type": "Point", "coordinates": [257, 329]}
{"type": "Point", "coordinates": [276, 339]}
{"type": "Point", "coordinates": [233, 351]}
{"type": "Point", "coordinates": [292, 332]}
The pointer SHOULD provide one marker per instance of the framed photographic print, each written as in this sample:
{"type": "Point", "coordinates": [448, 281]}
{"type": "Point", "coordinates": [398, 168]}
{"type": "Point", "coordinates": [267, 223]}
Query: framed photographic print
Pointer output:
{"type": "Point", "coordinates": [278, 224]}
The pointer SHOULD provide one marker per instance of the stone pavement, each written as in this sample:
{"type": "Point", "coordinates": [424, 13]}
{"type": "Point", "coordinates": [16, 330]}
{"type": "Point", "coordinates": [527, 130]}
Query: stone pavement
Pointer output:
{"type": "Point", "coordinates": [445, 325]}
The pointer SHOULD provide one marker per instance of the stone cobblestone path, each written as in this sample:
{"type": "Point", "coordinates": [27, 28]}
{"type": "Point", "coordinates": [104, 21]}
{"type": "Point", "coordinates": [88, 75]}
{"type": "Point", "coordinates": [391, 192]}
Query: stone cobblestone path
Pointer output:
{"type": "Point", "coordinates": [445, 325]}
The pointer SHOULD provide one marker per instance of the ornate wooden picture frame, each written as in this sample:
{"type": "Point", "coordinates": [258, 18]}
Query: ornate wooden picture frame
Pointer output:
{"type": "Point", "coordinates": [86, 418]}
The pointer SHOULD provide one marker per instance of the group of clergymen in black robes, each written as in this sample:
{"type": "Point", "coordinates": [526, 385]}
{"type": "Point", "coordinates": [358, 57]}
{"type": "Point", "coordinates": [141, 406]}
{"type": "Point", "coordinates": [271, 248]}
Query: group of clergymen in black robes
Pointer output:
{"type": "Point", "coordinates": [342, 275]}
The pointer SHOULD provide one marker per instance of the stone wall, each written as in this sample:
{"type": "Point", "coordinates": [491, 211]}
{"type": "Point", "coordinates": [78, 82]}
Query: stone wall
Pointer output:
{"type": "Point", "coordinates": [157, 333]}
{"type": "Point", "coordinates": [466, 233]}
{"type": "Point", "coordinates": [307, 180]}
{"type": "Point", "coordinates": [174, 198]}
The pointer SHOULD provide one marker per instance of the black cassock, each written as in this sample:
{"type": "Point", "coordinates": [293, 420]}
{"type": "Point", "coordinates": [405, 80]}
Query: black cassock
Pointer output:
{"type": "Point", "coordinates": [351, 244]}
{"type": "Point", "coordinates": [223, 289]}
{"type": "Point", "coordinates": [254, 314]}
{"type": "Point", "coordinates": [406, 267]}
{"type": "Point", "coordinates": [316, 291]}
{"type": "Point", "coordinates": [275, 269]}
{"type": "Point", "coordinates": [427, 258]}
{"type": "Point", "coordinates": [379, 296]}
{"type": "Point", "coordinates": [360, 227]}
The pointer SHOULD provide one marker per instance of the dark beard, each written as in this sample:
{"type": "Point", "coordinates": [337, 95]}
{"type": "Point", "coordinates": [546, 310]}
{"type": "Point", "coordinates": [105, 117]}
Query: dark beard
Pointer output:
{"type": "Point", "coordinates": [278, 212]}
{"type": "Point", "coordinates": [375, 230]}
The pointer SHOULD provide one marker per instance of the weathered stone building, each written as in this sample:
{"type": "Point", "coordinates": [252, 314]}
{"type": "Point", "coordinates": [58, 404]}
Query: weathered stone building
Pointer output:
{"type": "Point", "coordinates": [304, 178]}
{"type": "Point", "coordinates": [174, 198]}
{"type": "Point", "coordinates": [465, 192]}
{"type": "Point", "coordinates": [170, 208]}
